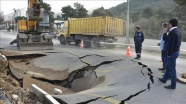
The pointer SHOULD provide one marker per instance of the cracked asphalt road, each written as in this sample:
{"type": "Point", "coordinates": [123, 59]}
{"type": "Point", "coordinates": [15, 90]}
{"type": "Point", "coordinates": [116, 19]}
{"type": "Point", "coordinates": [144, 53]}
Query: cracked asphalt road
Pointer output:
{"type": "Point", "coordinates": [119, 82]}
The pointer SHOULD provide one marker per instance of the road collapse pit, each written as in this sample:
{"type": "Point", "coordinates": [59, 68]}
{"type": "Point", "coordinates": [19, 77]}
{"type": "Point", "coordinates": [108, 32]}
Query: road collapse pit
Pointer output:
{"type": "Point", "coordinates": [19, 65]}
{"type": "Point", "coordinates": [17, 82]}
{"type": "Point", "coordinates": [11, 91]}
{"type": "Point", "coordinates": [80, 79]}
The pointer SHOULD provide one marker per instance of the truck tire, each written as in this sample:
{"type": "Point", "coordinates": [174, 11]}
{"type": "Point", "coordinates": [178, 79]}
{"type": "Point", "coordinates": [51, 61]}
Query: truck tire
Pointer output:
{"type": "Point", "coordinates": [110, 46]}
{"type": "Point", "coordinates": [95, 42]}
{"type": "Point", "coordinates": [86, 42]}
{"type": "Point", "coordinates": [62, 40]}
{"type": "Point", "coordinates": [77, 42]}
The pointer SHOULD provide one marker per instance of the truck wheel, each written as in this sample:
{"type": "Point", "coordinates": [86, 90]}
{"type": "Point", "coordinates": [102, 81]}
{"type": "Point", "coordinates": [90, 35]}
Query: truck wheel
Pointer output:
{"type": "Point", "coordinates": [95, 42]}
{"type": "Point", "coordinates": [62, 40]}
{"type": "Point", "coordinates": [86, 42]}
{"type": "Point", "coordinates": [77, 42]}
{"type": "Point", "coordinates": [110, 46]}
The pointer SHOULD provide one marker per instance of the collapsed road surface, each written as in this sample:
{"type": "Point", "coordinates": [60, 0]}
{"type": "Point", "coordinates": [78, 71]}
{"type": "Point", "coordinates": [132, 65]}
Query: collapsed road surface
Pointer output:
{"type": "Point", "coordinates": [77, 79]}
{"type": "Point", "coordinates": [123, 81]}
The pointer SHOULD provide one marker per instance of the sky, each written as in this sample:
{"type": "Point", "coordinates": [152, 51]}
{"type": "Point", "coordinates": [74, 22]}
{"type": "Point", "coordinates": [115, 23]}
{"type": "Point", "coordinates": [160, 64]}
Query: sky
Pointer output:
{"type": "Point", "coordinates": [7, 5]}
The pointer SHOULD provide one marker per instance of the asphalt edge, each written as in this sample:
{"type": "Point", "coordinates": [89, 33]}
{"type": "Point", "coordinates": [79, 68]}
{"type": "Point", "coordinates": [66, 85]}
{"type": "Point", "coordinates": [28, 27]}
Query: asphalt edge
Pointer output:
{"type": "Point", "coordinates": [43, 96]}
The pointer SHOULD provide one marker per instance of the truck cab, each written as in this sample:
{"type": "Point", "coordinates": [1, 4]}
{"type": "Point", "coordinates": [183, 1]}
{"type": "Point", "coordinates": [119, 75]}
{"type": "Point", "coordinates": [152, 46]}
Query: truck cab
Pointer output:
{"type": "Point", "coordinates": [62, 30]}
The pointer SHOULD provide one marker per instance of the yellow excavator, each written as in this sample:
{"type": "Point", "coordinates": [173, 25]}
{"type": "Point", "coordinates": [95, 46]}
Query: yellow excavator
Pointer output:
{"type": "Point", "coordinates": [33, 32]}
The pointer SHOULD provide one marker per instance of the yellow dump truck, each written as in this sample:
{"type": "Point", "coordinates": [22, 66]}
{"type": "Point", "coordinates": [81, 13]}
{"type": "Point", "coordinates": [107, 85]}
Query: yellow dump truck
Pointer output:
{"type": "Point", "coordinates": [91, 31]}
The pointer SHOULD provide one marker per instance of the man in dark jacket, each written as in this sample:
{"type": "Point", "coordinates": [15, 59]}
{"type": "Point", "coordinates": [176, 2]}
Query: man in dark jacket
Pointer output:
{"type": "Point", "coordinates": [138, 40]}
{"type": "Point", "coordinates": [174, 43]}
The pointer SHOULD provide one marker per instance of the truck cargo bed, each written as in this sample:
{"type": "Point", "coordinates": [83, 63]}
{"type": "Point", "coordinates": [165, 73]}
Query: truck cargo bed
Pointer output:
{"type": "Point", "coordinates": [107, 26]}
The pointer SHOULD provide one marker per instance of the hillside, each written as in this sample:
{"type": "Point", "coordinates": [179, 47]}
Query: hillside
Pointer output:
{"type": "Point", "coordinates": [138, 5]}
{"type": "Point", "coordinates": [150, 14]}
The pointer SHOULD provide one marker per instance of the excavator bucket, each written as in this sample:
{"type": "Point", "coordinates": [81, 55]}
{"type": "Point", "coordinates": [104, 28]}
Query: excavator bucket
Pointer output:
{"type": "Point", "coordinates": [35, 46]}
{"type": "Point", "coordinates": [32, 42]}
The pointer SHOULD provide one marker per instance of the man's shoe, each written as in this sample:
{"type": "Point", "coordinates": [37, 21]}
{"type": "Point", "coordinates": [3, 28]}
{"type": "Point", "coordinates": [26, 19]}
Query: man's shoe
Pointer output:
{"type": "Point", "coordinates": [169, 87]}
{"type": "Point", "coordinates": [161, 69]}
{"type": "Point", "coordinates": [161, 80]}
{"type": "Point", "coordinates": [136, 58]}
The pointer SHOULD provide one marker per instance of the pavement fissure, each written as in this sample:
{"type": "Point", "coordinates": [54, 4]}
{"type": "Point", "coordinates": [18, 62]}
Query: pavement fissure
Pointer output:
{"type": "Point", "coordinates": [91, 100]}
{"type": "Point", "coordinates": [79, 73]}
{"type": "Point", "coordinates": [151, 77]}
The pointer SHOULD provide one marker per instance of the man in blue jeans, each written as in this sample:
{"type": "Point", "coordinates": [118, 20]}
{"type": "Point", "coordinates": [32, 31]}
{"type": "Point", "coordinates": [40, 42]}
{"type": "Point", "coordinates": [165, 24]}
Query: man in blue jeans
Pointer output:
{"type": "Point", "coordinates": [174, 43]}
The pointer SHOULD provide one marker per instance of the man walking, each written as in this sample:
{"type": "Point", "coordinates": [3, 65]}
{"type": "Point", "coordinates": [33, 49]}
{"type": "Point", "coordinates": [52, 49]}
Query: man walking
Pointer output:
{"type": "Point", "coordinates": [138, 40]}
{"type": "Point", "coordinates": [174, 43]}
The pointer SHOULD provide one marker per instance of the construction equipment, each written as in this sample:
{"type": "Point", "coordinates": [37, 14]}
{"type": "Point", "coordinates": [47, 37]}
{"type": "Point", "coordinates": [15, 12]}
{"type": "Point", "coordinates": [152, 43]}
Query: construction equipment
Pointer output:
{"type": "Point", "coordinates": [92, 30]}
{"type": "Point", "coordinates": [33, 32]}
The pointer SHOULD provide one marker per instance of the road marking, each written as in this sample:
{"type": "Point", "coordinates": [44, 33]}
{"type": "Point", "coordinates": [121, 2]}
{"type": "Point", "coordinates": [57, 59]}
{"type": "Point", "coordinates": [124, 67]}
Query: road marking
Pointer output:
{"type": "Point", "coordinates": [116, 69]}
{"type": "Point", "coordinates": [106, 99]}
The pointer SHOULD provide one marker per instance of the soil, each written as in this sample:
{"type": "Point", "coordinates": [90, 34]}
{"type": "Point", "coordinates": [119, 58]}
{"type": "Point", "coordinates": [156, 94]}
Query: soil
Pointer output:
{"type": "Point", "coordinates": [24, 68]}
{"type": "Point", "coordinates": [10, 86]}
{"type": "Point", "coordinates": [9, 53]}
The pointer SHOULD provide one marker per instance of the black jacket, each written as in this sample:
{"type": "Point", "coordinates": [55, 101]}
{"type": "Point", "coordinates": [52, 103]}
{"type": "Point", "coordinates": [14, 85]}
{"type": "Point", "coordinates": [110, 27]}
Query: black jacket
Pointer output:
{"type": "Point", "coordinates": [174, 41]}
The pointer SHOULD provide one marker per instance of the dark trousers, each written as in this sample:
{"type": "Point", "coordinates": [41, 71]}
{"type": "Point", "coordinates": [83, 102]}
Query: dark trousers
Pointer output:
{"type": "Point", "coordinates": [171, 68]}
{"type": "Point", "coordinates": [138, 47]}
{"type": "Point", "coordinates": [164, 57]}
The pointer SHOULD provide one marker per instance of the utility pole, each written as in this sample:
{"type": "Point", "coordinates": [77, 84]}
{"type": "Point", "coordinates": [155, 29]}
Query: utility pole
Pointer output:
{"type": "Point", "coordinates": [62, 16]}
{"type": "Point", "coordinates": [19, 12]}
{"type": "Point", "coordinates": [127, 25]}
{"type": "Point", "coordinates": [14, 18]}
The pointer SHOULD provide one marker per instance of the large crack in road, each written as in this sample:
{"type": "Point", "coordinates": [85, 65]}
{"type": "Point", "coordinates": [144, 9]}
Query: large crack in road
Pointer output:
{"type": "Point", "coordinates": [24, 58]}
{"type": "Point", "coordinates": [151, 77]}
{"type": "Point", "coordinates": [91, 100]}
{"type": "Point", "coordinates": [79, 73]}
{"type": "Point", "coordinates": [139, 92]}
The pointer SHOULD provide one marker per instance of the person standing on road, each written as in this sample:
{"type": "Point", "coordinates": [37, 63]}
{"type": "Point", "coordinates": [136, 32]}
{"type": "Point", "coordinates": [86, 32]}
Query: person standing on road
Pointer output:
{"type": "Point", "coordinates": [174, 43]}
{"type": "Point", "coordinates": [162, 47]}
{"type": "Point", "coordinates": [164, 52]}
{"type": "Point", "coordinates": [138, 40]}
